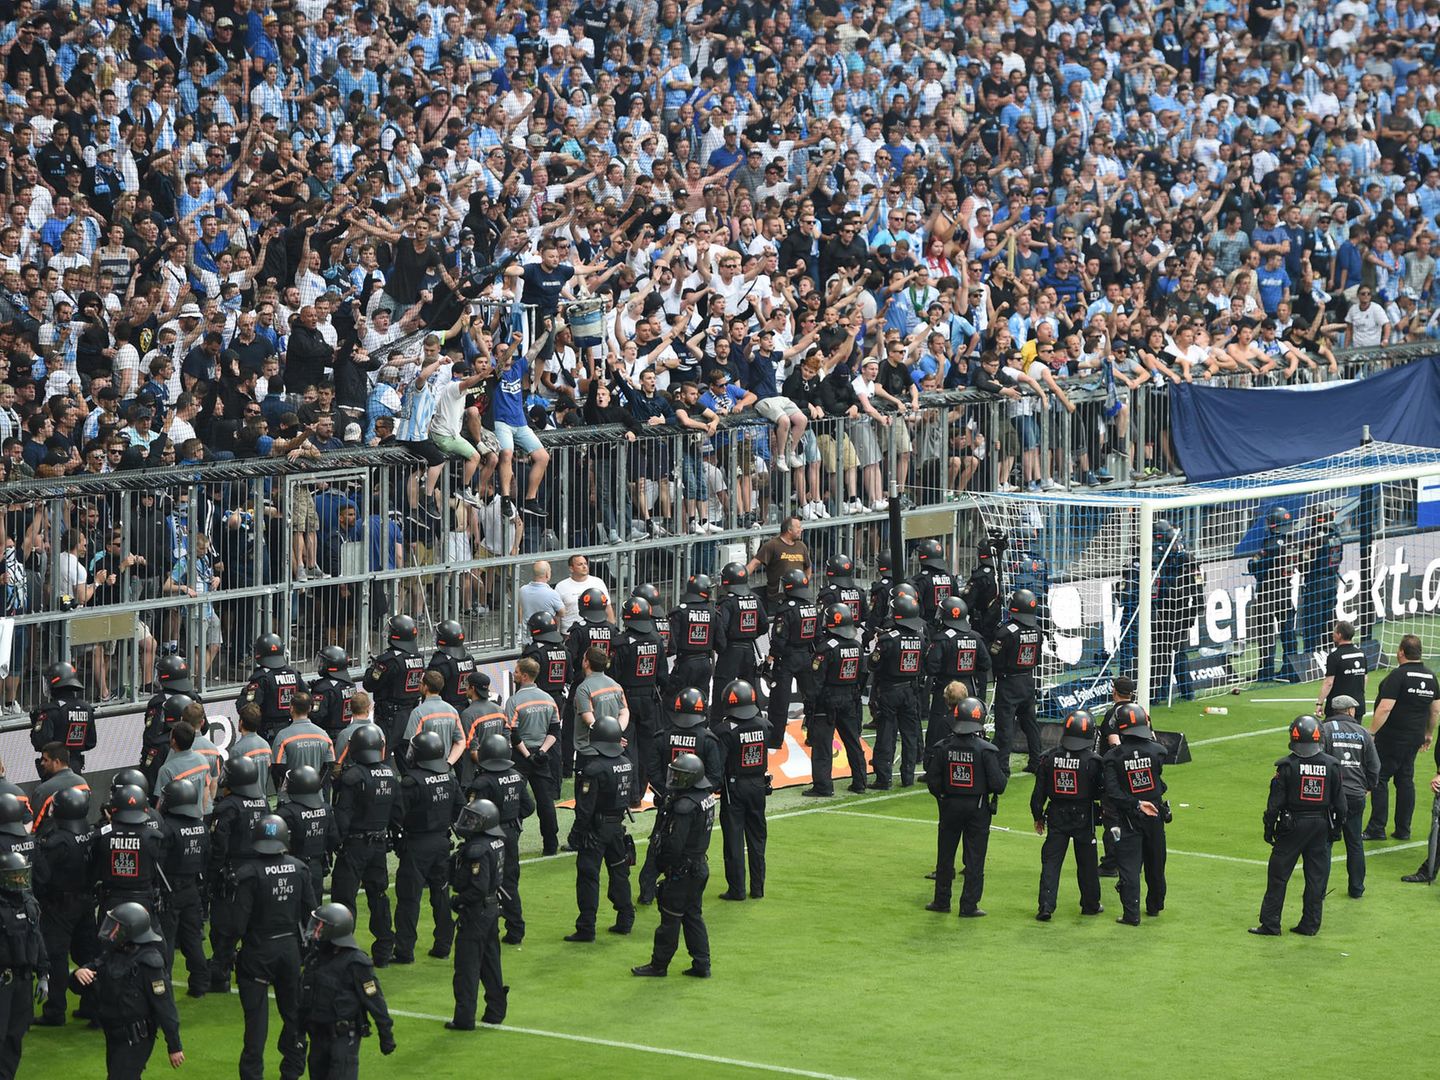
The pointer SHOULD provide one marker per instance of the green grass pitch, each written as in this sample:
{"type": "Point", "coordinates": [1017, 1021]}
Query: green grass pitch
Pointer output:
{"type": "Point", "coordinates": [839, 972]}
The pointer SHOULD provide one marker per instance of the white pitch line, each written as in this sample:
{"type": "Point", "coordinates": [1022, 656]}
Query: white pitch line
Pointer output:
{"type": "Point", "coordinates": [613, 1044]}
{"type": "Point", "coordinates": [1238, 735]}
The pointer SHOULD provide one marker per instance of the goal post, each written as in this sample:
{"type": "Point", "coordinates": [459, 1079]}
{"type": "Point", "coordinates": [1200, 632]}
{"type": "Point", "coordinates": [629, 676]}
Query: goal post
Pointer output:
{"type": "Point", "coordinates": [1177, 587]}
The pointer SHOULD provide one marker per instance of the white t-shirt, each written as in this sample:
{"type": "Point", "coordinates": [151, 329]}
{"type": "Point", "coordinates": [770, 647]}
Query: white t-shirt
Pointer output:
{"type": "Point", "coordinates": [70, 573]}
{"type": "Point", "coordinates": [569, 591]}
{"type": "Point", "coordinates": [449, 411]}
{"type": "Point", "coordinates": [1367, 324]}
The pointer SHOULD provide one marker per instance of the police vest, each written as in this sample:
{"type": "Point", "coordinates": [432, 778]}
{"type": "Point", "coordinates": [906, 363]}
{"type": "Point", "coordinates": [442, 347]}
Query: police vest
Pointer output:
{"type": "Point", "coordinates": [189, 847]}
{"type": "Point", "coordinates": [332, 709]}
{"type": "Point", "coordinates": [796, 630]}
{"type": "Point", "coordinates": [506, 790]}
{"type": "Point", "coordinates": [745, 749]}
{"type": "Point", "coordinates": [848, 595]}
{"type": "Point", "coordinates": [69, 721]}
{"type": "Point", "coordinates": [397, 680]}
{"type": "Point", "coordinates": [127, 856]}
{"type": "Point", "coordinates": [125, 983]}
{"type": "Point", "coordinates": [327, 988]}
{"type": "Point", "coordinates": [429, 801]}
{"type": "Point", "coordinates": [637, 660]}
{"type": "Point", "coordinates": [1140, 773]}
{"type": "Point", "coordinates": [309, 829]}
{"type": "Point", "coordinates": [368, 792]}
{"type": "Point", "coordinates": [1020, 651]}
{"type": "Point", "coordinates": [279, 883]}
{"type": "Point", "coordinates": [272, 690]}
{"type": "Point", "coordinates": [554, 664]}
{"type": "Point", "coordinates": [743, 618]}
{"type": "Point", "coordinates": [934, 587]}
{"type": "Point", "coordinates": [476, 870]}
{"type": "Point", "coordinates": [456, 672]}
{"type": "Point", "coordinates": [693, 811]}
{"type": "Point", "coordinates": [62, 863]}
{"type": "Point", "coordinates": [1069, 776]}
{"type": "Point", "coordinates": [1308, 782]}
{"type": "Point", "coordinates": [692, 630]}
{"type": "Point", "coordinates": [839, 661]}
{"type": "Point", "coordinates": [964, 765]}
{"type": "Point", "coordinates": [613, 781]}
{"type": "Point", "coordinates": [235, 816]}
{"type": "Point", "coordinates": [897, 656]}
{"type": "Point", "coordinates": [957, 653]}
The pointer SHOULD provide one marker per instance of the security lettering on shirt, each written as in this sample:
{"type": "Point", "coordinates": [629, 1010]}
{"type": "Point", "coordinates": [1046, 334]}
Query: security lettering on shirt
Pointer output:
{"type": "Point", "coordinates": [1312, 782]}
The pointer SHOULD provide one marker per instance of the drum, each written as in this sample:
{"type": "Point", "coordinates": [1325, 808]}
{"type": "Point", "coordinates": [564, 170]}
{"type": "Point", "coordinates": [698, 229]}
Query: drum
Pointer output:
{"type": "Point", "coordinates": [586, 319]}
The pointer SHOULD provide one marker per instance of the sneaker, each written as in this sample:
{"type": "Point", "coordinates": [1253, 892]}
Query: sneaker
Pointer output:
{"type": "Point", "coordinates": [1033, 486]}
{"type": "Point", "coordinates": [1104, 476]}
{"type": "Point", "coordinates": [1006, 487]}
{"type": "Point", "coordinates": [797, 460]}
{"type": "Point", "coordinates": [807, 512]}
{"type": "Point", "coordinates": [658, 531]}
{"type": "Point", "coordinates": [299, 575]}
{"type": "Point", "coordinates": [507, 507]}
{"type": "Point", "coordinates": [698, 527]}
{"type": "Point", "coordinates": [822, 511]}
{"type": "Point", "coordinates": [316, 574]}
{"type": "Point", "coordinates": [638, 533]}
{"type": "Point", "coordinates": [1051, 484]}
{"type": "Point", "coordinates": [880, 504]}
{"type": "Point", "coordinates": [470, 497]}
{"type": "Point", "coordinates": [615, 540]}
{"type": "Point", "coordinates": [712, 527]}
{"type": "Point", "coordinates": [855, 506]}
{"type": "Point", "coordinates": [1090, 480]}
{"type": "Point", "coordinates": [479, 611]}
{"type": "Point", "coordinates": [534, 509]}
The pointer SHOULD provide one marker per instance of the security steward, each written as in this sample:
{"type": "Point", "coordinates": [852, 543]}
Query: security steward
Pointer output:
{"type": "Point", "coordinates": [182, 921]}
{"type": "Point", "coordinates": [687, 733]}
{"type": "Point", "coordinates": [955, 651]}
{"type": "Point", "coordinates": [604, 786]}
{"type": "Point", "coordinates": [896, 666]}
{"type": "Point", "coordinates": [314, 834]}
{"type": "Point", "coordinates": [1015, 656]}
{"type": "Point", "coordinates": [484, 716]}
{"type": "Point", "coordinates": [172, 676]}
{"type": "Point", "coordinates": [1062, 804]}
{"type": "Point", "coordinates": [593, 630]}
{"type": "Point", "coordinates": [63, 853]}
{"type": "Point", "coordinates": [1347, 741]}
{"type": "Point", "coordinates": [67, 718]}
{"type": "Point", "coordinates": [453, 661]}
{"type": "Point", "coordinates": [301, 742]}
{"type": "Point", "coordinates": [533, 721]}
{"type": "Point", "coordinates": [499, 781]}
{"type": "Point", "coordinates": [22, 959]}
{"type": "Point", "coordinates": [272, 899]}
{"type": "Point", "coordinates": [743, 620]}
{"type": "Point", "coordinates": [743, 733]}
{"type": "Point", "coordinates": [794, 633]}
{"type": "Point", "coordinates": [1135, 787]}
{"type": "Point", "coordinates": [1407, 706]}
{"type": "Point", "coordinates": [1345, 667]}
{"type": "Point", "coordinates": [1304, 816]}
{"type": "Point", "coordinates": [271, 685]}
{"type": "Point", "coordinates": [232, 830]}
{"type": "Point", "coordinates": [682, 837]}
{"type": "Point", "coordinates": [696, 636]}
{"type": "Point", "coordinates": [964, 774]}
{"type": "Point", "coordinates": [840, 670]}
{"type": "Point", "coordinates": [641, 669]}
{"type": "Point", "coordinates": [131, 992]}
{"type": "Point", "coordinates": [394, 681]}
{"type": "Point", "coordinates": [429, 801]}
{"type": "Point", "coordinates": [333, 689]}
{"type": "Point", "coordinates": [364, 803]}
{"type": "Point", "coordinates": [477, 871]}
{"type": "Point", "coordinates": [55, 776]}
{"type": "Point", "coordinates": [339, 995]}
{"type": "Point", "coordinates": [934, 583]}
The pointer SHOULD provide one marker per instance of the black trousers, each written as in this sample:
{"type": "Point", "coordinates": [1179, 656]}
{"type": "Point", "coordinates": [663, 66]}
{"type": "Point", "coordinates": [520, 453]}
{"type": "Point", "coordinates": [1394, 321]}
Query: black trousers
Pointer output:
{"type": "Point", "coordinates": [1354, 845]}
{"type": "Point", "coordinates": [837, 712]}
{"type": "Point", "coordinates": [895, 708]}
{"type": "Point", "coordinates": [183, 926]}
{"type": "Point", "coordinates": [425, 864]}
{"type": "Point", "coordinates": [67, 923]}
{"type": "Point", "coordinates": [1397, 764]}
{"type": "Point", "coordinates": [680, 899]}
{"type": "Point", "coordinates": [1067, 828]}
{"type": "Point", "coordinates": [477, 963]}
{"type": "Point", "coordinates": [542, 786]}
{"type": "Point", "coordinates": [782, 692]}
{"type": "Point", "coordinates": [16, 1003]}
{"type": "Point", "coordinates": [1136, 850]}
{"type": "Point", "coordinates": [124, 1060]}
{"type": "Point", "coordinates": [694, 669]}
{"type": "Point", "coordinates": [606, 845]}
{"type": "Point", "coordinates": [962, 821]}
{"type": "Point", "coordinates": [334, 1057]}
{"type": "Point", "coordinates": [264, 964]}
{"type": "Point", "coordinates": [937, 726]}
{"type": "Point", "coordinates": [510, 905]}
{"type": "Point", "coordinates": [1015, 704]}
{"type": "Point", "coordinates": [645, 719]}
{"type": "Point", "coordinates": [736, 662]}
{"type": "Point", "coordinates": [743, 831]}
{"type": "Point", "coordinates": [1310, 840]}
{"type": "Point", "coordinates": [650, 869]}
{"type": "Point", "coordinates": [361, 862]}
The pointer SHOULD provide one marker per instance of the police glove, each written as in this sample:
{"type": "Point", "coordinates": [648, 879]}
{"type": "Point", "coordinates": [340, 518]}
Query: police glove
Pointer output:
{"type": "Point", "coordinates": [387, 1045]}
{"type": "Point", "coordinates": [42, 989]}
{"type": "Point", "coordinates": [1269, 831]}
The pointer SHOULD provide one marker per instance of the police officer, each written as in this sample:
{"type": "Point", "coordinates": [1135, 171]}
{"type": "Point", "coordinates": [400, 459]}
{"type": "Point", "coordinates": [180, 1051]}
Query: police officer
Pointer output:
{"type": "Point", "coordinates": [744, 735]}
{"type": "Point", "coordinates": [1304, 816]}
{"type": "Point", "coordinates": [839, 672]}
{"type": "Point", "coordinates": [1015, 654]}
{"type": "Point", "coordinates": [934, 583]}
{"type": "Point", "coordinates": [1178, 591]}
{"type": "Point", "coordinates": [429, 800]}
{"type": "Point", "coordinates": [1347, 741]}
{"type": "Point", "coordinates": [22, 957]}
{"type": "Point", "coordinates": [187, 843]}
{"type": "Point", "coordinates": [533, 722]}
{"type": "Point", "coordinates": [604, 784]}
{"type": "Point", "coordinates": [314, 833]}
{"type": "Point", "coordinates": [500, 782]}
{"type": "Point", "coordinates": [339, 995]}
{"type": "Point", "coordinates": [271, 685]}
{"type": "Point", "coordinates": [682, 840]}
{"type": "Point", "coordinates": [640, 667]}
{"type": "Point", "coordinates": [272, 898]}
{"type": "Point", "coordinates": [63, 852]}
{"type": "Point", "coordinates": [476, 876]}
{"type": "Point", "coordinates": [14, 836]}
{"type": "Point", "coordinates": [1345, 668]}
{"type": "Point", "coordinates": [241, 805]}
{"type": "Point", "coordinates": [131, 992]}
{"type": "Point", "coordinates": [1271, 568]}
{"type": "Point", "coordinates": [696, 636]}
{"type": "Point", "coordinates": [1322, 552]}
{"type": "Point", "coordinates": [592, 630]}
{"type": "Point", "coordinates": [127, 858]}
{"type": "Point", "coordinates": [686, 733]}
{"type": "Point", "coordinates": [840, 588]}
{"type": "Point", "coordinates": [878, 604]}
{"type": "Point", "coordinates": [651, 595]}
{"type": "Point", "coordinates": [896, 665]}
{"type": "Point", "coordinates": [1122, 692]}
{"type": "Point", "coordinates": [794, 633]}
{"type": "Point", "coordinates": [136, 777]}
{"type": "Point", "coordinates": [984, 589]}
{"type": "Point", "coordinates": [172, 676]}
{"type": "Point", "coordinates": [964, 774]}
{"type": "Point", "coordinates": [67, 718]}
{"type": "Point", "coordinates": [364, 803]}
{"type": "Point", "coordinates": [394, 681]}
{"type": "Point", "coordinates": [332, 690]}
{"type": "Point", "coordinates": [743, 620]}
{"type": "Point", "coordinates": [453, 661]}
{"type": "Point", "coordinates": [1062, 804]}
{"type": "Point", "coordinates": [955, 651]}
{"type": "Point", "coordinates": [1135, 787]}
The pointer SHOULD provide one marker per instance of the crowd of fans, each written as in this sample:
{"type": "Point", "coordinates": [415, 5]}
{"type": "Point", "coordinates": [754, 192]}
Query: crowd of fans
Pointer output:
{"type": "Point", "coordinates": [240, 229]}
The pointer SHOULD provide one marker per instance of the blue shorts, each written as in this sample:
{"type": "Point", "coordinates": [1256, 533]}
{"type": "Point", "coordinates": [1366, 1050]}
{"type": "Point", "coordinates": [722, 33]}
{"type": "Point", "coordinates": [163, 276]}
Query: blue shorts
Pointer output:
{"type": "Point", "coordinates": [692, 475]}
{"type": "Point", "coordinates": [1028, 430]}
{"type": "Point", "coordinates": [510, 437]}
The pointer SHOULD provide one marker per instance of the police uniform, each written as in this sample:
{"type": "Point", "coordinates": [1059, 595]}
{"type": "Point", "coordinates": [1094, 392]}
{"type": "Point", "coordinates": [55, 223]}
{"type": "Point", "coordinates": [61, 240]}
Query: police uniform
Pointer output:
{"type": "Point", "coordinates": [933, 586]}
{"type": "Point", "coordinates": [896, 663]}
{"type": "Point", "coordinates": [1413, 688]}
{"type": "Point", "coordinates": [455, 664]}
{"type": "Point", "coordinates": [742, 808]}
{"type": "Point", "coordinates": [271, 689]}
{"type": "Point", "coordinates": [532, 715]}
{"type": "Point", "coordinates": [23, 960]}
{"type": "Point", "coordinates": [847, 593]}
{"type": "Point", "coordinates": [332, 694]}
{"type": "Point", "coordinates": [61, 882]}
{"type": "Point", "coordinates": [681, 842]}
{"type": "Point", "coordinates": [339, 996]}
{"type": "Point", "coordinates": [696, 636]}
{"type": "Point", "coordinates": [582, 636]}
{"type": "Point", "coordinates": [155, 738]}
{"type": "Point", "coordinates": [364, 801]}
{"type": "Point", "coordinates": [794, 633]}
{"type": "Point", "coordinates": [604, 787]}
{"type": "Point", "coordinates": [507, 789]}
{"type": "Point", "coordinates": [877, 612]}
{"type": "Point", "coordinates": [479, 869]}
{"type": "Point", "coordinates": [641, 669]}
{"type": "Point", "coordinates": [742, 621]}
{"type": "Point", "coordinates": [314, 833]}
{"type": "Point", "coordinates": [1015, 656]}
{"type": "Point", "coordinates": [133, 1003]}
{"type": "Point", "coordinates": [1271, 604]}
{"type": "Point", "coordinates": [394, 681]}
{"type": "Point", "coordinates": [232, 828]}
{"type": "Point", "coordinates": [1320, 587]}
{"type": "Point", "coordinates": [953, 652]}
{"type": "Point", "coordinates": [839, 672]}
{"type": "Point", "coordinates": [182, 919]}
{"type": "Point", "coordinates": [1068, 783]}
{"type": "Point", "coordinates": [701, 741]}
{"type": "Point", "coordinates": [1132, 774]}
{"type": "Point", "coordinates": [1303, 819]}
{"type": "Point", "coordinates": [68, 720]}
{"type": "Point", "coordinates": [965, 774]}
{"type": "Point", "coordinates": [982, 595]}
{"type": "Point", "coordinates": [426, 810]}
{"type": "Point", "coordinates": [126, 862]}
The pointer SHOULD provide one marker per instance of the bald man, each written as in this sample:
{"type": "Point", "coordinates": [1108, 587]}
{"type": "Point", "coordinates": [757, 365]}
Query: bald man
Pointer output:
{"type": "Point", "coordinates": [539, 595]}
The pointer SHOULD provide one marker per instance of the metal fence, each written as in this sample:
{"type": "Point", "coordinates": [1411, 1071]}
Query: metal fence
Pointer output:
{"type": "Point", "coordinates": [112, 570]}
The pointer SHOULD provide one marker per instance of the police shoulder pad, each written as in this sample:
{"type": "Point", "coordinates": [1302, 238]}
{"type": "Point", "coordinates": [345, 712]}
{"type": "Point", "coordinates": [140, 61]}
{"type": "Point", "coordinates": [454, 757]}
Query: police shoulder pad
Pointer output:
{"type": "Point", "coordinates": [150, 958]}
{"type": "Point", "coordinates": [985, 744]}
{"type": "Point", "coordinates": [683, 806]}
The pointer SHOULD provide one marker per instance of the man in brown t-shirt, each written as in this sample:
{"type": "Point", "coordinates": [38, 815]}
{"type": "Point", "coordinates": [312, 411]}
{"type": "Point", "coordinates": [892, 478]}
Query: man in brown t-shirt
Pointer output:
{"type": "Point", "coordinates": [784, 552]}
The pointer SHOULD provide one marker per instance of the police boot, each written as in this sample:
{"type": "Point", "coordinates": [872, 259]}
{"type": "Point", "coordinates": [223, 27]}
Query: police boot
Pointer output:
{"type": "Point", "coordinates": [697, 970]}
{"type": "Point", "coordinates": [497, 1018]}
{"type": "Point", "coordinates": [1420, 877]}
{"type": "Point", "coordinates": [649, 971]}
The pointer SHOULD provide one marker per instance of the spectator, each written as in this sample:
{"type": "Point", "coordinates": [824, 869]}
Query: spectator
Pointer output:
{"type": "Point", "coordinates": [539, 596]}
{"type": "Point", "coordinates": [573, 586]}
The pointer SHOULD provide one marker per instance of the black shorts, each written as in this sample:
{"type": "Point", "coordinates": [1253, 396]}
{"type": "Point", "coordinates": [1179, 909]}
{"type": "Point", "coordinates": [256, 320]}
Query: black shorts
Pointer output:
{"type": "Point", "coordinates": [426, 449]}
